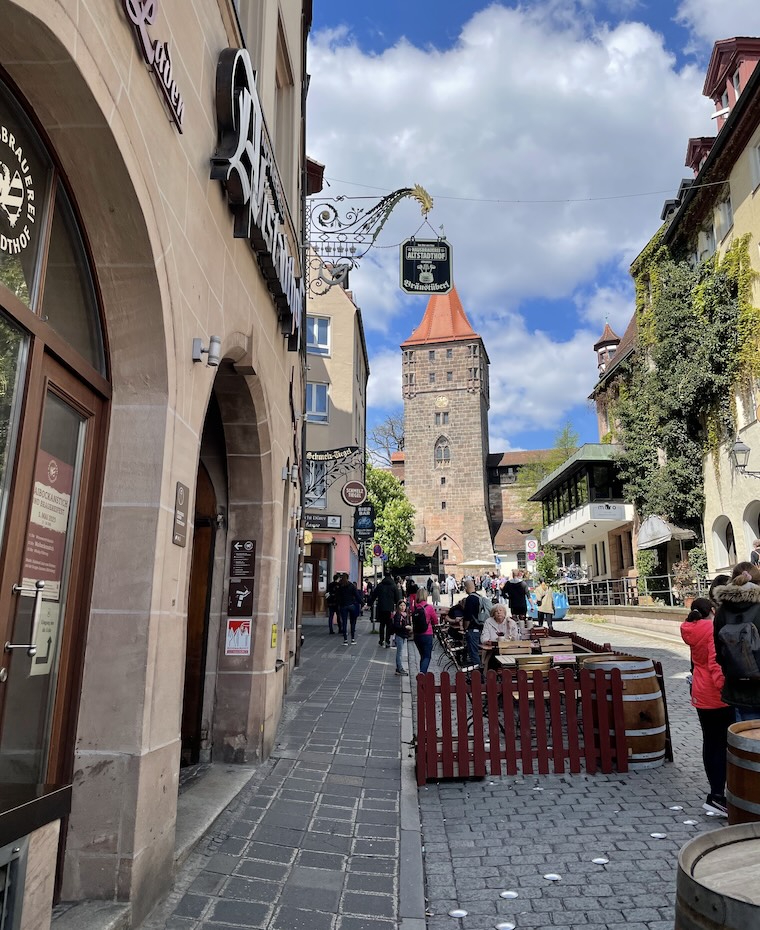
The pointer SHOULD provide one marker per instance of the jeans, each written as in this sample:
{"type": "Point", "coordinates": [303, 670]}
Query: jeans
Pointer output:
{"type": "Point", "coordinates": [384, 619]}
{"type": "Point", "coordinates": [715, 724]}
{"type": "Point", "coordinates": [424, 646]}
{"type": "Point", "coordinates": [544, 616]}
{"type": "Point", "coordinates": [346, 614]}
{"type": "Point", "coordinates": [332, 613]}
{"type": "Point", "coordinates": [400, 643]}
{"type": "Point", "coordinates": [472, 639]}
{"type": "Point", "coordinates": [746, 713]}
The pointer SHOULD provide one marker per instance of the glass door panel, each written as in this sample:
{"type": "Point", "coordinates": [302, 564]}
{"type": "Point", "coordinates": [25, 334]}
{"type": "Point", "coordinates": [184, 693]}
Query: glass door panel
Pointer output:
{"type": "Point", "coordinates": [13, 352]}
{"type": "Point", "coordinates": [41, 593]}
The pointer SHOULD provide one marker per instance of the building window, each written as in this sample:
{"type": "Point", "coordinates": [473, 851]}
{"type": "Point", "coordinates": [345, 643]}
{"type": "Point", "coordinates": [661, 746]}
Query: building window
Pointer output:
{"type": "Point", "coordinates": [725, 218]}
{"type": "Point", "coordinates": [431, 377]}
{"type": "Point", "coordinates": [315, 491]}
{"type": "Point", "coordinates": [445, 418]}
{"type": "Point", "coordinates": [443, 505]}
{"type": "Point", "coordinates": [449, 375]}
{"type": "Point", "coordinates": [449, 353]}
{"type": "Point", "coordinates": [318, 335]}
{"type": "Point", "coordinates": [316, 403]}
{"type": "Point", "coordinates": [442, 451]}
{"type": "Point", "coordinates": [444, 554]}
{"type": "Point", "coordinates": [756, 166]}
{"type": "Point", "coordinates": [431, 355]}
{"type": "Point", "coordinates": [437, 419]}
{"type": "Point", "coordinates": [737, 82]}
{"type": "Point", "coordinates": [474, 372]}
{"type": "Point", "coordinates": [443, 481]}
{"type": "Point", "coordinates": [522, 562]}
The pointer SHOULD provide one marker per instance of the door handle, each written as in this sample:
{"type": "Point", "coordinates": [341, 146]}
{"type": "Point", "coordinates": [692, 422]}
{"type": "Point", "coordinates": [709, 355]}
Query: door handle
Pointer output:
{"type": "Point", "coordinates": [36, 592]}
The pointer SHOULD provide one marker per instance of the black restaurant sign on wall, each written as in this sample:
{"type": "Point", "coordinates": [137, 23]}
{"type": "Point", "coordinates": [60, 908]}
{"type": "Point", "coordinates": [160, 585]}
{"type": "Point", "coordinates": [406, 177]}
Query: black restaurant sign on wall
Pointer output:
{"type": "Point", "coordinates": [426, 266]}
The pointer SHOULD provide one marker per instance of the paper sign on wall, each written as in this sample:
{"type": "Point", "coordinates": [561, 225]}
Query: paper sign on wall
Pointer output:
{"type": "Point", "coordinates": [238, 640]}
{"type": "Point", "coordinates": [48, 522]}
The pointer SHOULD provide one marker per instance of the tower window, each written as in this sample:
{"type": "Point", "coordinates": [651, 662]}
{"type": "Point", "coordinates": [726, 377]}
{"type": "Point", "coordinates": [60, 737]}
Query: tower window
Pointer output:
{"type": "Point", "coordinates": [442, 451]}
{"type": "Point", "coordinates": [449, 375]}
{"type": "Point", "coordinates": [449, 353]}
{"type": "Point", "coordinates": [445, 418]}
{"type": "Point", "coordinates": [443, 481]}
{"type": "Point", "coordinates": [444, 554]}
{"type": "Point", "coordinates": [431, 377]}
{"type": "Point", "coordinates": [431, 355]}
{"type": "Point", "coordinates": [443, 505]}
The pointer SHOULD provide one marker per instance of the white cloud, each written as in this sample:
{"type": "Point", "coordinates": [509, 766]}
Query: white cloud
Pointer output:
{"type": "Point", "coordinates": [710, 21]}
{"type": "Point", "coordinates": [534, 103]}
{"type": "Point", "coordinates": [384, 385]}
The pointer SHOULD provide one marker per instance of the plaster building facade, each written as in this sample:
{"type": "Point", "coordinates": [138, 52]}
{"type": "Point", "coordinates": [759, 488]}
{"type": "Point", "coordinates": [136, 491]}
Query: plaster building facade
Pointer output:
{"type": "Point", "coordinates": [336, 417]}
{"type": "Point", "coordinates": [153, 369]}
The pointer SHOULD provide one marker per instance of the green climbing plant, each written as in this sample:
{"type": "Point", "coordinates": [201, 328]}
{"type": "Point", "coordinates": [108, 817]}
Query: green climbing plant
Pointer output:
{"type": "Point", "coordinates": [698, 346]}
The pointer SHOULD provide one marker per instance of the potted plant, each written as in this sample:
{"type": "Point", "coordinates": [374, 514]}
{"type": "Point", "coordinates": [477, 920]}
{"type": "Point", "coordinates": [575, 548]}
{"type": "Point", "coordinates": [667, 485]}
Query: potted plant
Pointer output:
{"type": "Point", "coordinates": [684, 578]}
{"type": "Point", "coordinates": [646, 563]}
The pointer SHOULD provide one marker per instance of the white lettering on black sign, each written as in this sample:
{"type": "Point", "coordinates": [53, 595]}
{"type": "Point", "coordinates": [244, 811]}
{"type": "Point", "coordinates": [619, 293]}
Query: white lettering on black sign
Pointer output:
{"type": "Point", "coordinates": [17, 208]}
{"type": "Point", "coordinates": [244, 162]}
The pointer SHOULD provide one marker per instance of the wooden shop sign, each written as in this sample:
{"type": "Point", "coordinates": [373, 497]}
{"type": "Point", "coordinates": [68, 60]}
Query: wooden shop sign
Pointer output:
{"type": "Point", "coordinates": [143, 13]}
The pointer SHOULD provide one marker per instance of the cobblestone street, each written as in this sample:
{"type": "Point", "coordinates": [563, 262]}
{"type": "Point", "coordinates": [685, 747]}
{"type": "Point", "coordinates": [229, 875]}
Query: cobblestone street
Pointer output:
{"type": "Point", "coordinates": [326, 836]}
{"type": "Point", "coordinates": [506, 834]}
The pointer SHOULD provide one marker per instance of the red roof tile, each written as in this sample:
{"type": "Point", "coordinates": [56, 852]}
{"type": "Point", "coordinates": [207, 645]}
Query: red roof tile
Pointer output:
{"type": "Point", "coordinates": [607, 337]}
{"type": "Point", "coordinates": [444, 321]}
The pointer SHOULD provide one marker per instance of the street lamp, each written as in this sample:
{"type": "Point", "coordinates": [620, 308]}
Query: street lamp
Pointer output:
{"type": "Point", "coordinates": [739, 456]}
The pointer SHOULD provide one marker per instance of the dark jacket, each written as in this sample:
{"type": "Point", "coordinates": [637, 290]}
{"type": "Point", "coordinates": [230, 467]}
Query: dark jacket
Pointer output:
{"type": "Point", "coordinates": [386, 595]}
{"type": "Point", "coordinates": [737, 604]}
{"type": "Point", "coordinates": [348, 596]}
{"type": "Point", "coordinates": [516, 593]}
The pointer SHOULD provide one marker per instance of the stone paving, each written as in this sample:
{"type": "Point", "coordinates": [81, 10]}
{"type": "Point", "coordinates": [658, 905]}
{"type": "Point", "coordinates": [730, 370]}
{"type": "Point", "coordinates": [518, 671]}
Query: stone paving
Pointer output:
{"type": "Point", "coordinates": [498, 834]}
{"type": "Point", "coordinates": [315, 839]}
{"type": "Point", "coordinates": [326, 835]}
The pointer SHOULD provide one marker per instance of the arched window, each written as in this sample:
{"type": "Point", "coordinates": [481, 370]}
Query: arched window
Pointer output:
{"type": "Point", "coordinates": [751, 524]}
{"type": "Point", "coordinates": [724, 543]}
{"type": "Point", "coordinates": [442, 451]}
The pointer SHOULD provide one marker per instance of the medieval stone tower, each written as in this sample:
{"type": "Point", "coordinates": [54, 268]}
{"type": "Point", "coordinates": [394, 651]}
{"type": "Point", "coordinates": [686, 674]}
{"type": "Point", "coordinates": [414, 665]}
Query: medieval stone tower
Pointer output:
{"type": "Point", "coordinates": [445, 388]}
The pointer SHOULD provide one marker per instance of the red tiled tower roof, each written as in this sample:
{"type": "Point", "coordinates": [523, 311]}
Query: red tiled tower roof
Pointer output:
{"type": "Point", "coordinates": [444, 321]}
{"type": "Point", "coordinates": [607, 337]}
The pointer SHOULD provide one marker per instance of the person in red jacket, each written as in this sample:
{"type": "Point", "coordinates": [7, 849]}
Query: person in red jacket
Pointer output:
{"type": "Point", "coordinates": [715, 716]}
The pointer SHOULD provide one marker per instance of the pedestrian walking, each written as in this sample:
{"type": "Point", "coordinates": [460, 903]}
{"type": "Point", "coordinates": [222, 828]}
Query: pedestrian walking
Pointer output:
{"type": "Point", "coordinates": [349, 607]}
{"type": "Point", "coordinates": [402, 628]}
{"type": "Point", "coordinates": [545, 602]}
{"type": "Point", "coordinates": [424, 618]}
{"type": "Point", "coordinates": [331, 602]}
{"type": "Point", "coordinates": [386, 596]}
{"type": "Point", "coordinates": [715, 716]}
{"type": "Point", "coordinates": [435, 593]}
{"type": "Point", "coordinates": [515, 592]}
{"type": "Point", "coordinates": [754, 556]}
{"type": "Point", "coordinates": [451, 588]}
{"type": "Point", "coordinates": [737, 640]}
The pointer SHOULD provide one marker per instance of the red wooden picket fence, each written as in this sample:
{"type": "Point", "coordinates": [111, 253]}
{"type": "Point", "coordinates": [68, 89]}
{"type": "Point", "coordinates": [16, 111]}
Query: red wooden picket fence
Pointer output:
{"type": "Point", "coordinates": [536, 723]}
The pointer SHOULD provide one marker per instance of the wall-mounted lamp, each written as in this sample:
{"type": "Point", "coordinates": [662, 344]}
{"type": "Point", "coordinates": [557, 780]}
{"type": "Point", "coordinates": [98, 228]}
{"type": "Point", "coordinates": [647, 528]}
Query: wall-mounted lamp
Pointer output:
{"type": "Point", "coordinates": [212, 353]}
{"type": "Point", "coordinates": [334, 542]}
{"type": "Point", "coordinates": [290, 473]}
{"type": "Point", "coordinates": [739, 456]}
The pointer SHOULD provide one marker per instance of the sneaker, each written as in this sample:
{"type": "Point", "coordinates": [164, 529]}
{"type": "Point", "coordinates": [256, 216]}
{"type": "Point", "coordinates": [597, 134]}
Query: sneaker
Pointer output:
{"type": "Point", "coordinates": [353, 642]}
{"type": "Point", "coordinates": [381, 644]}
{"type": "Point", "coordinates": [402, 672]}
{"type": "Point", "coordinates": [387, 645]}
{"type": "Point", "coordinates": [345, 642]}
{"type": "Point", "coordinates": [716, 805]}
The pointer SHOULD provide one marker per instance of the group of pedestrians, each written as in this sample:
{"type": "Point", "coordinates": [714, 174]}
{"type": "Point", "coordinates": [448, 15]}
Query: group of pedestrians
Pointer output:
{"type": "Point", "coordinates": [723, 635]}
{"type": "Point", "coordinates": [344, 606]}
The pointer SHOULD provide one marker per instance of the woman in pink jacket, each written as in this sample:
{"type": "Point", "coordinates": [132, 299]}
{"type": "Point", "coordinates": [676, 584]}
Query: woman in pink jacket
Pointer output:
{"type": "Point", "coordinates": [715, 717]}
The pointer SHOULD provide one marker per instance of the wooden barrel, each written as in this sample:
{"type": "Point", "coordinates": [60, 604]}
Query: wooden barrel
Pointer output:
{"type": "Point", "coordinates": [644, 708]}
{"type": "Point", "coordinates": [743, 772]}
{"type": "Point", "coordinates": [717, 886]}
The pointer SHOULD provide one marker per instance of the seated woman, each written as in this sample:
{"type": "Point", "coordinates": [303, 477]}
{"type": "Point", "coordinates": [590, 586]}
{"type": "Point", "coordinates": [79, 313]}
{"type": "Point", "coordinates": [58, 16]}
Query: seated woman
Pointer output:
{"type": "Point", "coordinates": [498, 626]}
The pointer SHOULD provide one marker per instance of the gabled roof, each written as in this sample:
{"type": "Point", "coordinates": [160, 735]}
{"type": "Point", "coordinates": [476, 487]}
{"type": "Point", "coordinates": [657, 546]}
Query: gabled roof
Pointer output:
{"type": "Point", "coordinates": [723, 58]}
{"type": "Point", "coordinates": [444, 321]}
{"type": "Point", "coordinates": [510, 536]}
{"type": "Point", "coordinates": [520, 457]}
{"type": "Point", "coordinates": [607, 338]}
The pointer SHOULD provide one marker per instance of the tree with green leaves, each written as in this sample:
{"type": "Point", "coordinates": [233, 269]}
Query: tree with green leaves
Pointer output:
{"type": "Point", "coordinates": [394, 514]}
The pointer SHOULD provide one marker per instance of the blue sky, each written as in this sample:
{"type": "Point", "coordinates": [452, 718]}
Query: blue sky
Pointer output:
{"type": "Point", "coordinates": [549, 134]}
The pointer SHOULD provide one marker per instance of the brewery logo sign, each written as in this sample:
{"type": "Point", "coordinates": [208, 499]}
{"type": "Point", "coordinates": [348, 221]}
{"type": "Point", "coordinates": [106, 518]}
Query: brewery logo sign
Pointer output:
{"type": "Point", "coordinates": [426, 266]}
{"type": "Point", "coordinates": [18, 211]}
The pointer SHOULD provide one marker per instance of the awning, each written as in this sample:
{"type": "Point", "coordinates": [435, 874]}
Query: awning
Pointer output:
{"type": "Point", "coordinates": [654, 531]}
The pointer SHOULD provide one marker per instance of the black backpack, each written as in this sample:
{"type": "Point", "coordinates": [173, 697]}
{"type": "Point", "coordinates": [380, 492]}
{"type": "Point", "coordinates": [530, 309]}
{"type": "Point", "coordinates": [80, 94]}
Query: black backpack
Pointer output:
{"type": "Point", "coordinates": [419, 621]}
{"type": "Point", "coordinates": [740, 652]}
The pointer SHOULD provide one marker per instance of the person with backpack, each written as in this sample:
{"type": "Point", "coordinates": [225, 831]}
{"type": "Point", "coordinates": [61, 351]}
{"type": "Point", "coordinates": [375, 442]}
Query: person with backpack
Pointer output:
{"type": "Point", "coordinates": [424, 618]}
{"type": "Point", "coordinates": [737, 640]}
{"type": "Point", "coordinates": [475, 613]}
{"type": "Point", "coordinates": [545, 602]}
{"type": "Point", "coordinates": [402, 627]}
{"type": "Point", "coordinates": [715, 716]}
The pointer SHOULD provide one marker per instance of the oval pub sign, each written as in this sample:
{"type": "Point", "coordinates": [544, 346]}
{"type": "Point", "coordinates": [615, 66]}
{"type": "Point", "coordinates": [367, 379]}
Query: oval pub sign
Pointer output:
{"type": "Point", "coordinates": [354, 493]}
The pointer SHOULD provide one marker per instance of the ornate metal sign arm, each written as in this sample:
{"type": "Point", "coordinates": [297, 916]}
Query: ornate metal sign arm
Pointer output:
{"type": "Point", "coordinates": [318, 482]}
{"type": "Point", "coordinates": [337, 241]}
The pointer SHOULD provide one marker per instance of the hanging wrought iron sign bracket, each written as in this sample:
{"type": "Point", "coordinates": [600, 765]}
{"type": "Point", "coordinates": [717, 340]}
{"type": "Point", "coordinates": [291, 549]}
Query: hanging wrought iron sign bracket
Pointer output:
{"type": "Point", "coordinates": [341, 233]}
